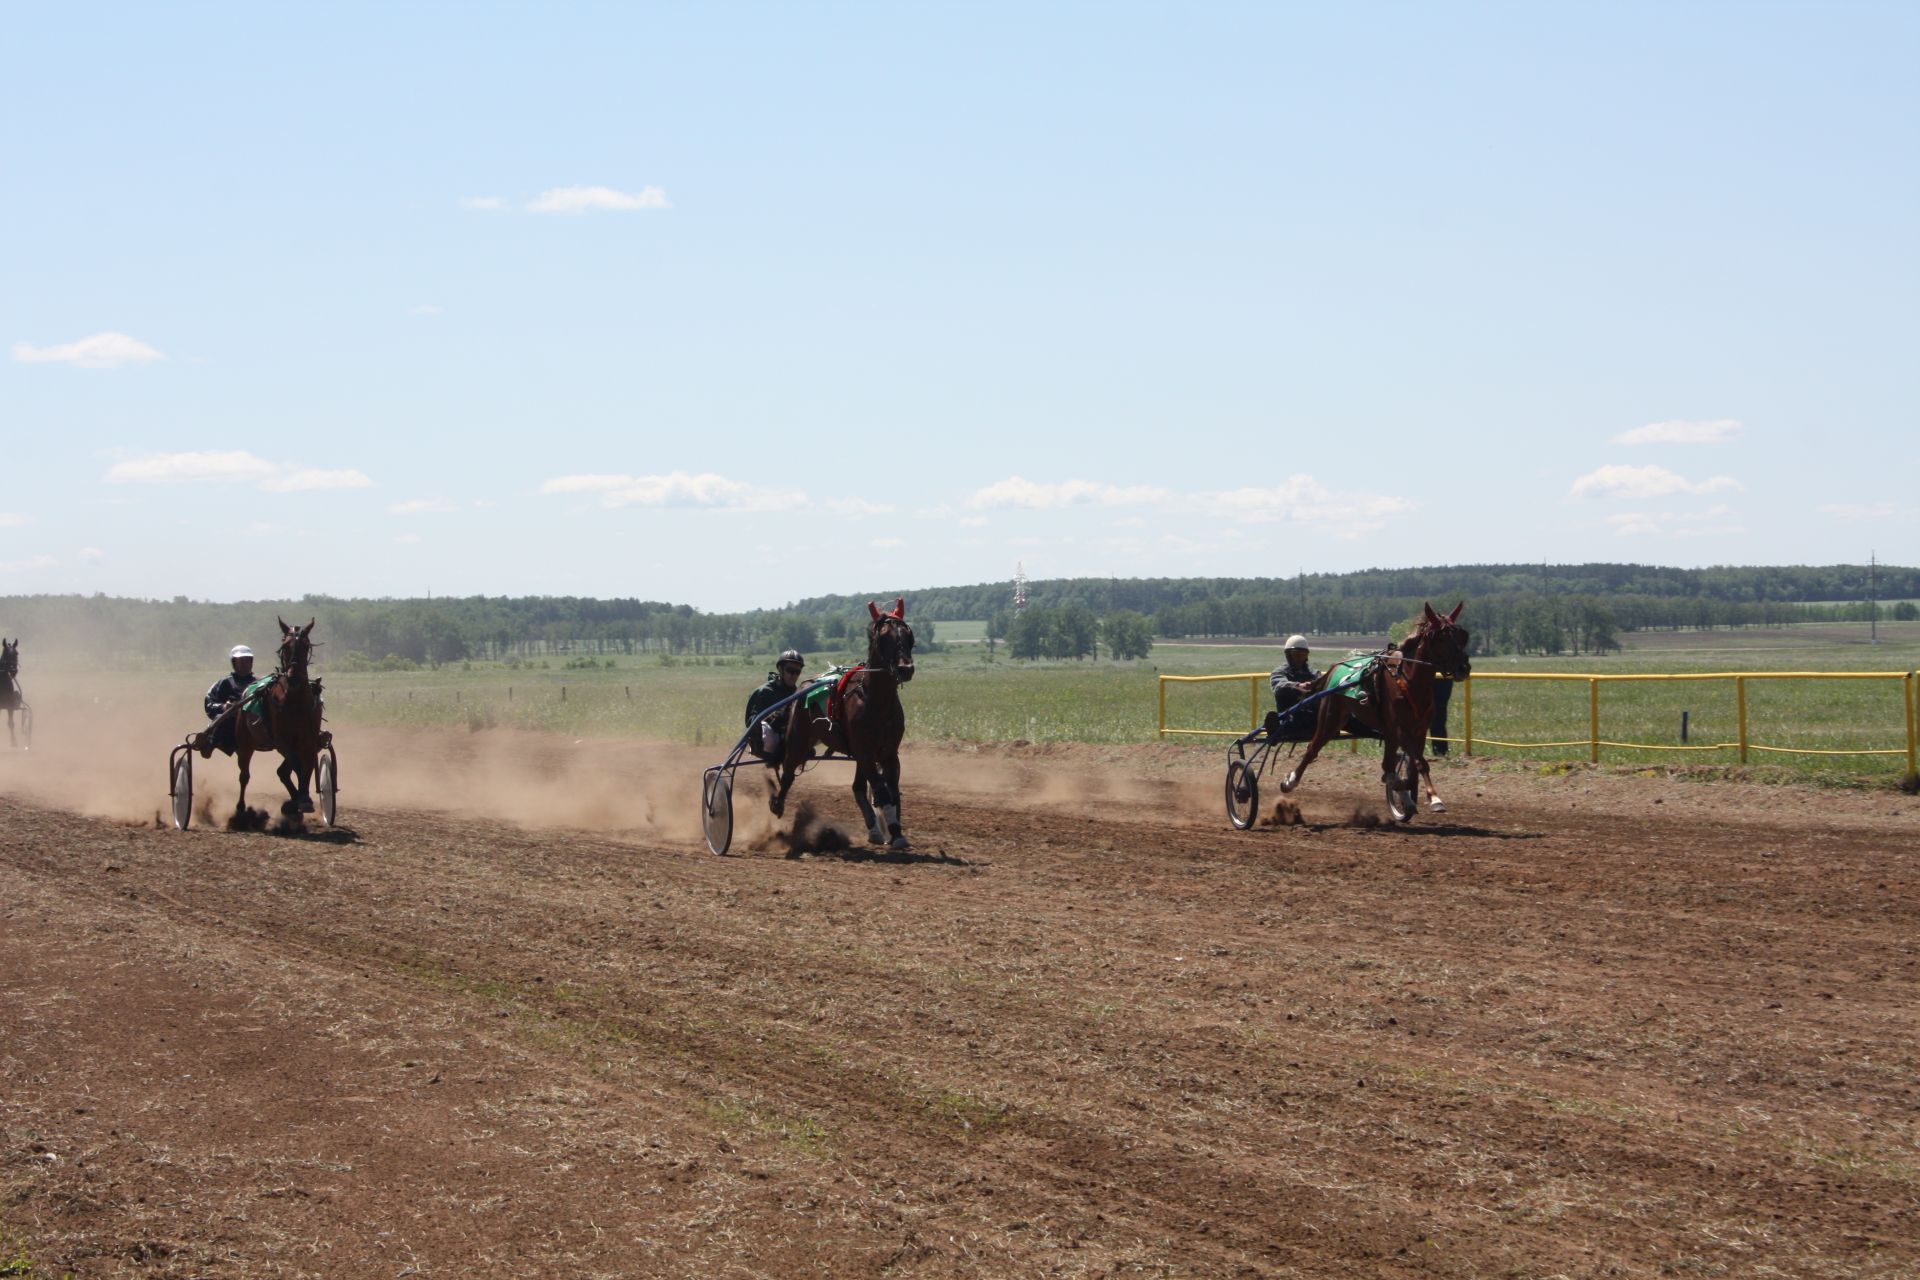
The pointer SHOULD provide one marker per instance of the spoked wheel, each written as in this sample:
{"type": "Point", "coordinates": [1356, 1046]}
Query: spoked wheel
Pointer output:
{"type": "Point", "coordinates": [1403, 791]}
{"type": "Point", "coordinates": [1243, 795]}
{"type": "Point", "coordinates": [716, 810]}
{"type": "Point", "coordinates": [326, 781]}
{"type": "Point", "coordinates": [182, 787]}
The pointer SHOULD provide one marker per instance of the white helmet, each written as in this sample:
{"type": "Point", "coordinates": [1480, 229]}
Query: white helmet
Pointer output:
{"type": "Point", "coordinates": [237, 652]}
{"type": "Point", "coordinates": [1296, 642]}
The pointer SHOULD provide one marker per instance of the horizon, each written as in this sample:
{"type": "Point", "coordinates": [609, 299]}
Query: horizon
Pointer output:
{"type": "Point", "coordinates": [682, 304]}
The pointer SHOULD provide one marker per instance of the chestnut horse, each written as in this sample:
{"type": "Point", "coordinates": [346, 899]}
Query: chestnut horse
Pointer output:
{"type": "Point", "coordinates": [289, 721]}
{"type": "Point", "coordinates": [1399, 704]}
{"type": "Point", "coordinates": [10, 697]}
{"type": "Point", "coordinates": [868, 727]}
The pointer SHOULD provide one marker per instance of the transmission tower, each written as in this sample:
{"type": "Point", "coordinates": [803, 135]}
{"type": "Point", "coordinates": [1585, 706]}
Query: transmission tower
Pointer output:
{"type": "Point", "coordinates": [1019, 587]}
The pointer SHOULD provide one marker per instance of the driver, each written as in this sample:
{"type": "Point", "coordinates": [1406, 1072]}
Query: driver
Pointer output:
{"type": "Point", "coordinates": [1294, 679]}
{"type": "Point", "coordinates": [781, 682]}
{"type": "Point", "coordinates": [223, 699]}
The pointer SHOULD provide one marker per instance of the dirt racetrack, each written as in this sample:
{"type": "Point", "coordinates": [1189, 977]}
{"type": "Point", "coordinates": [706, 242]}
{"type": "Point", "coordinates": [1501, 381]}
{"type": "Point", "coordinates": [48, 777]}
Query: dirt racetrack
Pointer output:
{"type": "Point", "coordinates": [513, 1020]}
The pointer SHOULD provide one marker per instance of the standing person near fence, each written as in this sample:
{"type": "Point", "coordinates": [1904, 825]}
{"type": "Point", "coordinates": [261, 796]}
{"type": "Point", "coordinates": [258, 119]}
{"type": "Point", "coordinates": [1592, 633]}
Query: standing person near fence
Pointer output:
{"type": "Point", "coordinates": [1437, 730]}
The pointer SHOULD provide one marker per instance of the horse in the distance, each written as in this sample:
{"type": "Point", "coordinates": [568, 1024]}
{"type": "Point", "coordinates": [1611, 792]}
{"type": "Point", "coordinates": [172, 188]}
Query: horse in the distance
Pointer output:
{"type": "Point", "coordinates": [288, 722]}
{"type": "Point", "coordinates": [10, 696]}
{"type": "Point", "coordinates": [862, 719]}
{"type": "Point", "coordinates": [1399, 703]}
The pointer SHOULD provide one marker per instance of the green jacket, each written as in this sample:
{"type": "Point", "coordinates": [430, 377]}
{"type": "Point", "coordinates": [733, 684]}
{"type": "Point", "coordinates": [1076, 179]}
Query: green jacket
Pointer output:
{"type": "Point", "coordinates": [766, 695]}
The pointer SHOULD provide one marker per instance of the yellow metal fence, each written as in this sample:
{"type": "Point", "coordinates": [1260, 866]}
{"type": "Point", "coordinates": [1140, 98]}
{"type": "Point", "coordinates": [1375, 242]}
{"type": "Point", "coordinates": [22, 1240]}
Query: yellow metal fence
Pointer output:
{"type": "Point", "coordinates": [1909, 682]}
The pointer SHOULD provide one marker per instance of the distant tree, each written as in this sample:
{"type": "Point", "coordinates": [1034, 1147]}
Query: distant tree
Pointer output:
{"type": "Point", "coordinates": [1905, 611]}
{"type": "Point", "coordinates": [798, 632]}
{"type": "Point", "coordinates": [1128, 635]}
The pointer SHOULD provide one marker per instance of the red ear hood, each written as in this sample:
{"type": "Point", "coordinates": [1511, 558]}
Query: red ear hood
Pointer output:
{"type": "Point", "coordinates": [1455, 615]}
{"type": "Point", "coordinates": [1431, 616]}
{"type": "Point", "coordinates": [873, 609]}
{"type": "Point", "coordinates": [899, 608]}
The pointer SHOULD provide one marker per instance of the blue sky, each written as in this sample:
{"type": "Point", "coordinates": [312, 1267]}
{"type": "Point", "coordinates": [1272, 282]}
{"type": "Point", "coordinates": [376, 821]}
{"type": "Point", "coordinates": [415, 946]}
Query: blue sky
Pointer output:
{"type": "Point", "coordinates": [733, 304]}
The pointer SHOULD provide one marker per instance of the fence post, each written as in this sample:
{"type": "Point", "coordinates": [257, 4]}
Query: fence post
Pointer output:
{"type": "Point", "coordinates": [1468, 683]}
{"type": "Point", "coordinates": [1913, 711]}
{"type": "Point", "coordinates": [1593, 722]}
{"type": "Point", "coordinates": [1740, 705]}
{"type": "Point", "coordinates": [1163, 709]}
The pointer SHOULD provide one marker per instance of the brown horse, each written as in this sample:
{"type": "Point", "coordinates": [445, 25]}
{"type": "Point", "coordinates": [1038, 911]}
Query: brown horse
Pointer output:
{"type": "Point", "coordinates": [10, 696]}
{"type": "Point", "coordinates": [868, 726]}
{"type": "Point", "coordinates": [289, 721]}
{"type": "Point", "coordinates": [1399, 707]}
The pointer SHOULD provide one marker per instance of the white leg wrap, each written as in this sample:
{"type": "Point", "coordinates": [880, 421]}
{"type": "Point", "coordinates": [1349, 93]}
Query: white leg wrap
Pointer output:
{"type": "Point", "coordinates": [892, 812]}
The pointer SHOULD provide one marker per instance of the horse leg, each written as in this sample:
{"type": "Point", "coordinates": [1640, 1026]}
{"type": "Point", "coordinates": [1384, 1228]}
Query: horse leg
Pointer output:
{"type": "Point", "coordinates": [243, 752]}
{"type": "Point", "coordinates": [1434, 802]}
{"type": "Point", "coordinates": [890, 801]}
{"type": "Point", "coordinates": [792, 752]}
{"type": "Point", "coordinates": [1333, 715]}
{"type": "Point", "coordinates": [10, 742]}
{"type": "Point", "coordinates": [866, 784]}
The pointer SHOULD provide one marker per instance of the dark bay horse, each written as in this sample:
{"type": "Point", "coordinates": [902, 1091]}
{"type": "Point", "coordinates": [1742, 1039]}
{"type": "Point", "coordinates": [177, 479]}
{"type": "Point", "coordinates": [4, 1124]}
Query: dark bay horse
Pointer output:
{"type": "Point", "coordinates": [289, 721]}
{"type": "Point", "coordinates": [868, 726]}
{"type": "Point", "coordinates": [1399, 704]}
{"type": "Point", "coordinates": [10, 696]}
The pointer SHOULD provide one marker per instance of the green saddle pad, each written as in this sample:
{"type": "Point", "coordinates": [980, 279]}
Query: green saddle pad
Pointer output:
{"type": "Point", "coordinates": [1345, 677]}
{"type": "Point", "coordinates": [821, 687]}
{"type": "Point", "coordinates": [250, 700]}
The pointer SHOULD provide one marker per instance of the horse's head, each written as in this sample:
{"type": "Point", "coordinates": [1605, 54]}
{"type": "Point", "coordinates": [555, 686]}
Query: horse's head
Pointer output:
{"type": "Point", "coordinates": [9, 657]}
{"type": "Point", "coordinates": [296, 647]}
{"type": "Point", "coordinates": [1442, 642]}
{"type": "Point", "coordinates": [890, 641]}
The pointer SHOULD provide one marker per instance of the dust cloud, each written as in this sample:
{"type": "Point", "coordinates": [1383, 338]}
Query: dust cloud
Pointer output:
{"type": "Point", "coordinates": [101, 747]}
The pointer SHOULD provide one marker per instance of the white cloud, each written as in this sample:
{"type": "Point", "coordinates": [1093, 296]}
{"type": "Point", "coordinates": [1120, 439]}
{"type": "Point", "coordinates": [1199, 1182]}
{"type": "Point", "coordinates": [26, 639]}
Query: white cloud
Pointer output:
{"type": "Point", "coordinates": [228, 466]}
{"type": "Point", "coordinates": [1869, 512]}
{"type": "Point", "coordinates": [887, 544]}
{"type": "Point", "coordinates": [406, 539]}
{"type": "Point", "coordinates": [1714, 521]}
{"type": "Point", "coordinates": [1680, 431]}
{"type": "Point", "coordinates": [91, 554]}
{"type": "Point", "coordinates": [308, 479]}
{"type": "Point", "coordinates": [191, 466]}
{"type": "Point", "coordinates": [28, 565]}
{"type": "Point", "coordinates": [974, 522]}
{"type": "Point", "coordinates": [678, 489]}
{"type": "Point", "coordinates": [99, 351]}
{"type": "Point", "coordinates": [1302, 500]}
{"type": "Point", "coordinates": [421, 506]}
{"type": "Point", "coordinates": [1640, 483]}
{"type": "Point", "coordinates": [585, 484]}
{"type": "Point", "coordinates": [857, 507]}
{"type": "Point", "coordinates": [487, 204]}
{"type": "Point", "coordinates": [426, 309]}
{"type": "Point", "coordinates": [13, 519]}
{"type": "Point", "coordinates": [581, 199]}
{"type": "Point", "coordinates": [1017, 492]}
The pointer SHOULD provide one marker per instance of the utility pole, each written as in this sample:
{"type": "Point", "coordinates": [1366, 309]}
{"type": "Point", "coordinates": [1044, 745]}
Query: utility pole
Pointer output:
{"type": "Point", "coordinates": [1873, 605]}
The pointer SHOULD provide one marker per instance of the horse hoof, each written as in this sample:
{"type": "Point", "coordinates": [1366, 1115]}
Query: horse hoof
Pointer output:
{"type": "Point", "coordinates": [306, 806]}
{"type": "Point", "coordinates": [876, 837]}
{"type": "Point", "coordinates": [1438, 806]}
{"type": "Point", "coordinates": [899, 844]}
{"type": "Point", "coordinates": [776, 804]}
{"type": "Point", "coordinates": [1289, 782]}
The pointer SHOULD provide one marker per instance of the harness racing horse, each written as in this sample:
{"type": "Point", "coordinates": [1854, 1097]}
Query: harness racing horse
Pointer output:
{"type": "Point", "coordinates": [289, 721]}
{"type": "Point", "coordinates": [867, 728]}
{"type": "Point", "coordinates": [10, 697]}
{"type": "Point", "coordinates": [1399, 707]}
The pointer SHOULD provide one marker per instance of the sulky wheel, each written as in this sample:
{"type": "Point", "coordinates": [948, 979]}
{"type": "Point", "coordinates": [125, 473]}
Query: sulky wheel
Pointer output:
{"type": "Point", "coordinates": [716, 810]}
{"type": "Point", "coordinates": [181, 789]}
{"type": "Point", "coordinates": [326, 781]}
{"type": "Point", "coordinates": [1243, 795]}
